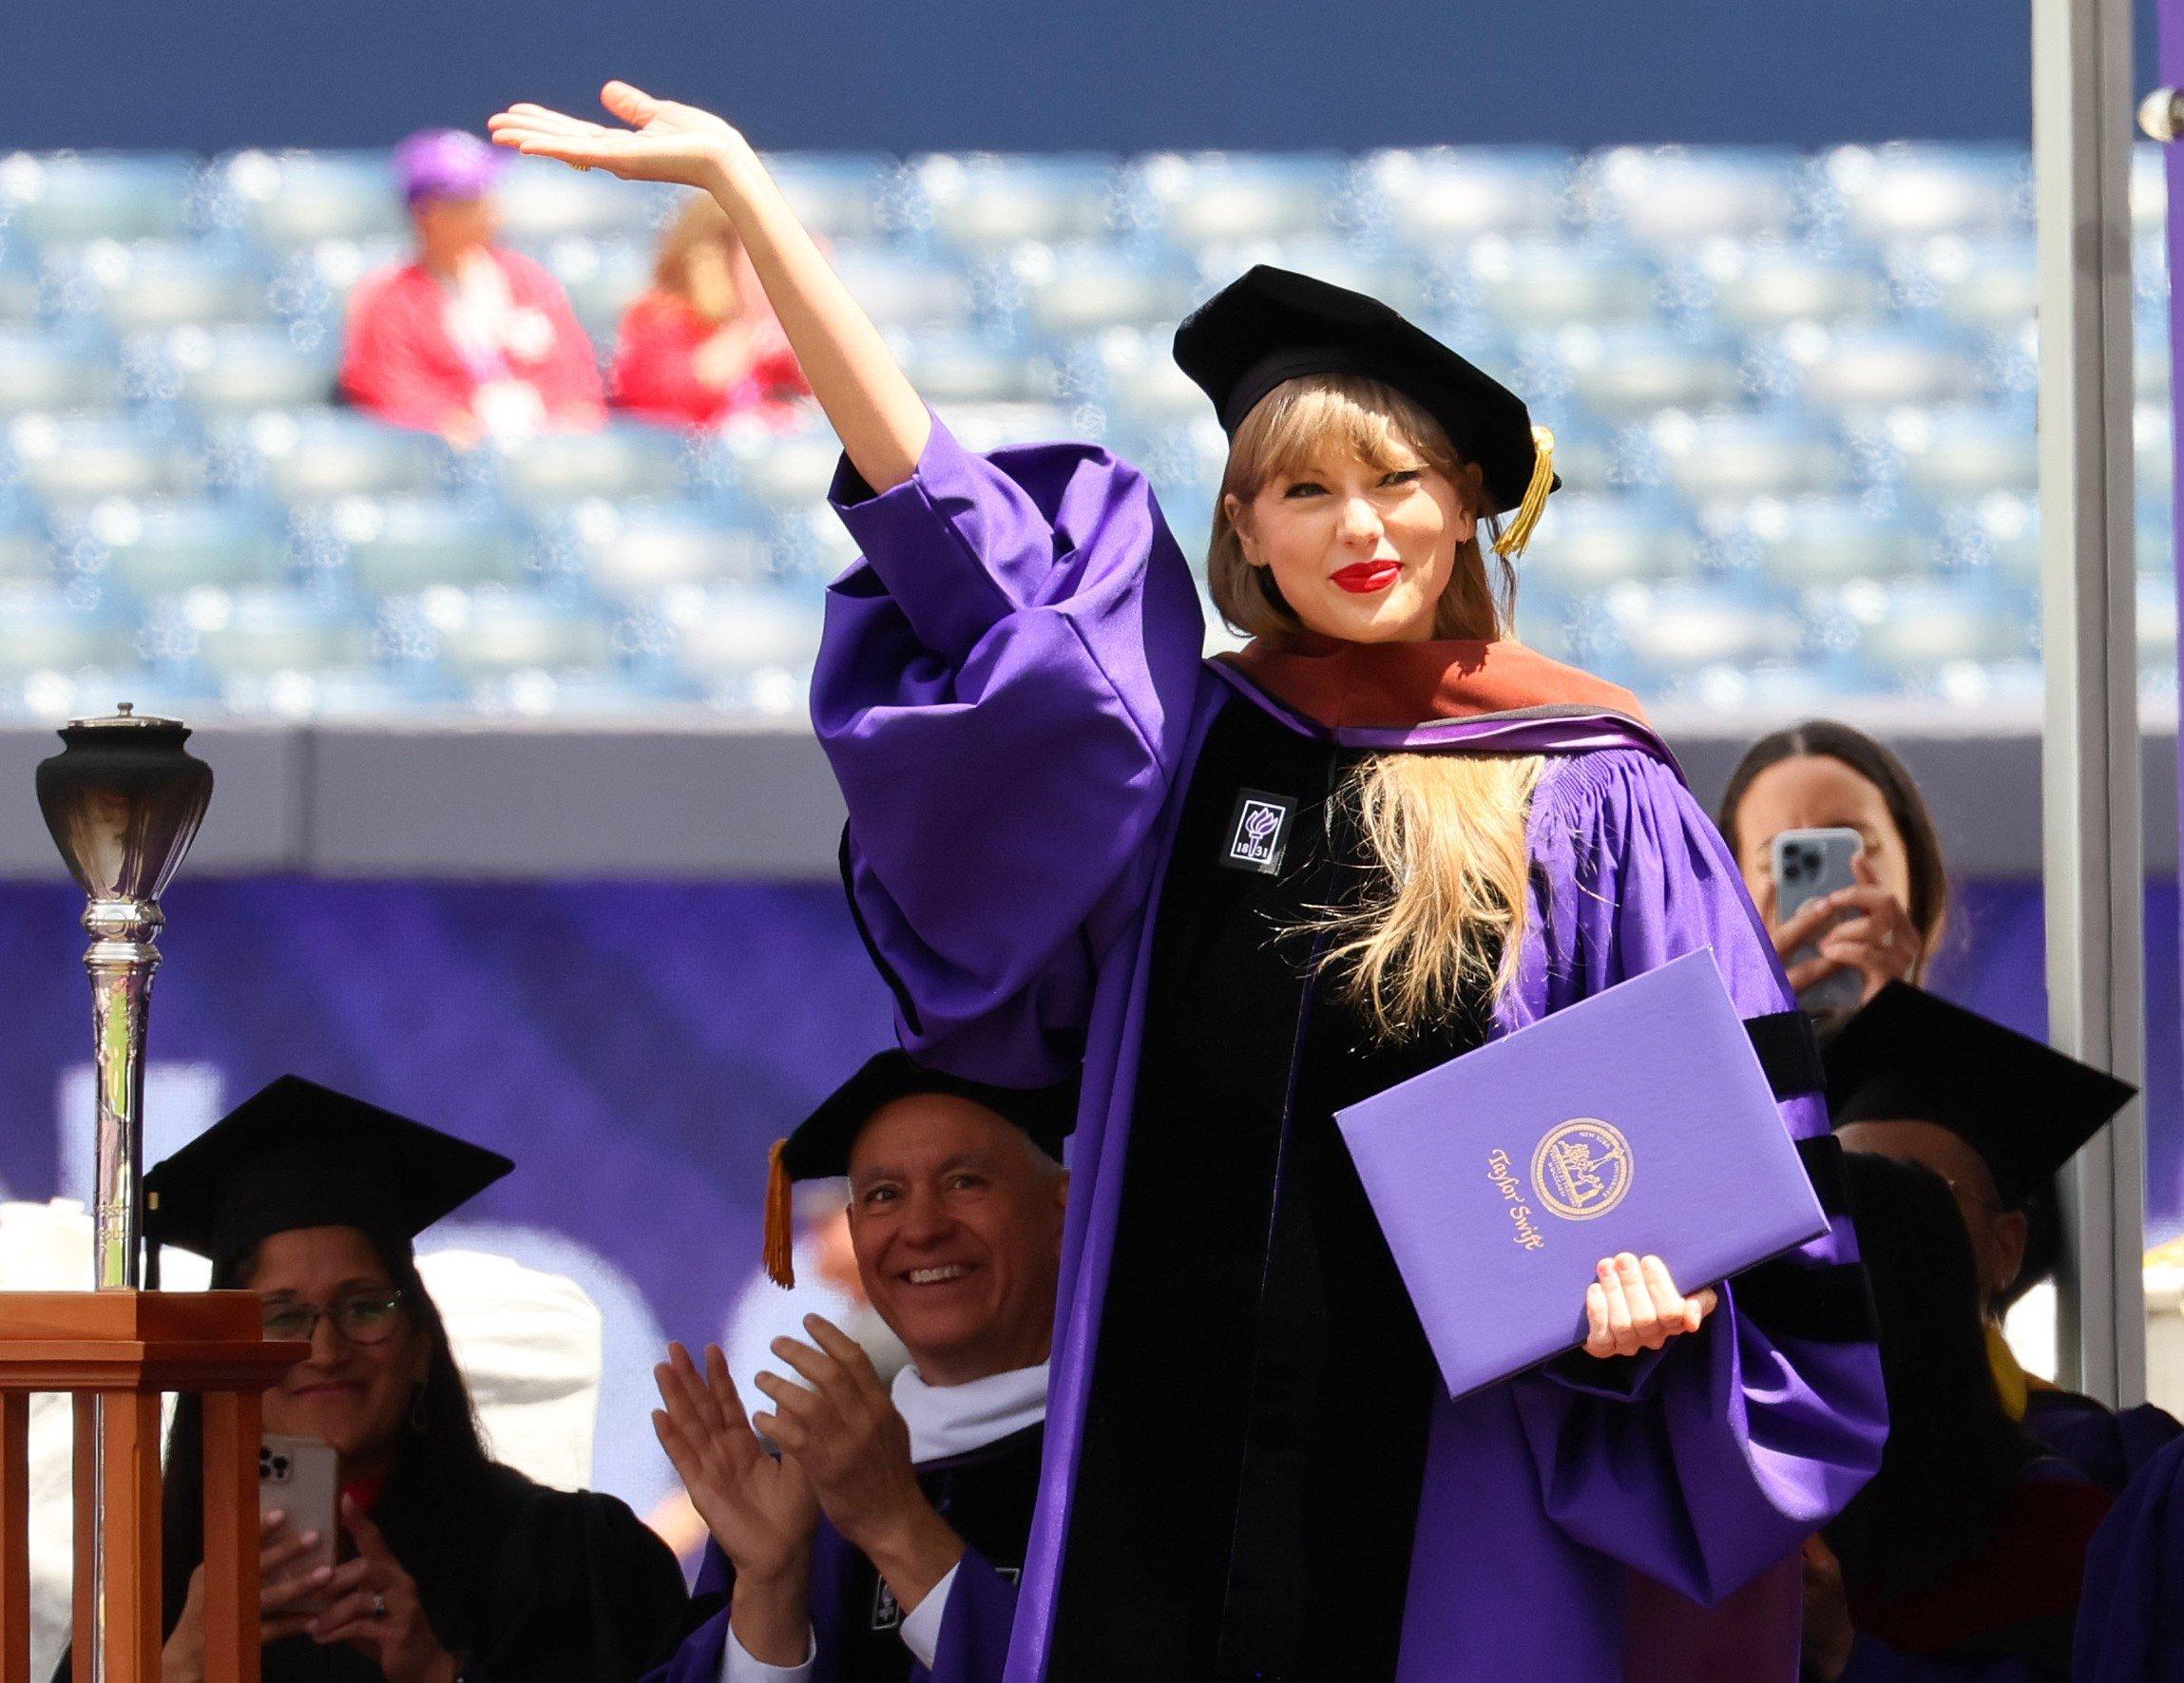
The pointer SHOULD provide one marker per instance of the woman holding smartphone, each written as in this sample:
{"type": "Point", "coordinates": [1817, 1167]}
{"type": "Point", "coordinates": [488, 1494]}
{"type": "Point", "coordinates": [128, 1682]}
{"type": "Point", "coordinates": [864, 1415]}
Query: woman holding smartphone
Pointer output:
{"type": "Point", "coordinates": [1885, 924]}
{"type": "Point", "coordinates": [446, 1565]}
{"type": "Point", "coordinates": [1243, 894]}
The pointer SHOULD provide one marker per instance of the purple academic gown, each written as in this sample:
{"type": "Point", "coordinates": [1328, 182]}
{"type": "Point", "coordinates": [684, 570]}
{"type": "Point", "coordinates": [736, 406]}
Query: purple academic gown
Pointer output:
{"type": "Point", "coordinates": [974, 1629]}
{"type": "Point", "coordinates": [2130, 1614]}
{"type": "Point", "coordinates": [1011, 691]}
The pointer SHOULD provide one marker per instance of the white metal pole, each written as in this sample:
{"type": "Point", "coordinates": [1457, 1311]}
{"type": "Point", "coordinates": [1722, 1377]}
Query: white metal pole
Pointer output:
{"type": "Point", "coordinates": [2082, 112]}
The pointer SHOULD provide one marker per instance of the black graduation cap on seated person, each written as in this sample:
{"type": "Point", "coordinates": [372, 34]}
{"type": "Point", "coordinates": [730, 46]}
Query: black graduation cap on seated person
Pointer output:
{"type": "Point", "coordinates": [819, 1149]}
{"type": "Point", "coordinates": [1909, 1056]}
{"type": "Point", "coordinates": [1273, 325]}
{"type": "Point", "coordinates": [296, 1154]}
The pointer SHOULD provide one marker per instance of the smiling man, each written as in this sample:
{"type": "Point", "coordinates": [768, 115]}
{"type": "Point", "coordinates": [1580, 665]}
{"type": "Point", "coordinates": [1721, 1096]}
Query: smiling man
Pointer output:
{"type": "Point", "coordinates": [884, 1542]}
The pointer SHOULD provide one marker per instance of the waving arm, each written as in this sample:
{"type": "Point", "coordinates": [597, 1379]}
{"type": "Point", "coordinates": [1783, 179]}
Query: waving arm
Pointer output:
{"type": "Point", "coordinates": [874, 411]}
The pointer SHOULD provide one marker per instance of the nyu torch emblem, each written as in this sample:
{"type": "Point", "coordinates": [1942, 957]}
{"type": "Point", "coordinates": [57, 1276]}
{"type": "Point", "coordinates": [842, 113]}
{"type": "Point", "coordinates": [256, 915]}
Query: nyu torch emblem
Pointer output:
{"type": "Point", "coordinates": [1258, 836]}
{"type": "Point", "coordinates": [1581, 1168]}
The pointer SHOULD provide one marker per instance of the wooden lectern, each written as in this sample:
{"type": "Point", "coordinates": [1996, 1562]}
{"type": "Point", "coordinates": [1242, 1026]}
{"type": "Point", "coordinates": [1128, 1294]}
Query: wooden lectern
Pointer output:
{"type": "Point", "coordinates": [124, 1349]}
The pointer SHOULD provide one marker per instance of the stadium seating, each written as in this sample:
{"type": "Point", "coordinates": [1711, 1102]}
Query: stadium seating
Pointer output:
{"type": "Point", "coordinates": [1792, 394]}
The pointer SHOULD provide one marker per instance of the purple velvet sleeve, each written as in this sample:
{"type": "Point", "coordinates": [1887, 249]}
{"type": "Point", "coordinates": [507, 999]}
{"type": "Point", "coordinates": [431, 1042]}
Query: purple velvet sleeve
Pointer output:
{"type": "Point", "coordinates": [2131, 1614]}
{"type": "Point", "coordinates": [1710, 1461]}
{"type": "Point", "coordinates": [976, 1625]}
{"type": "Point", "coordinates": [1004, 689]}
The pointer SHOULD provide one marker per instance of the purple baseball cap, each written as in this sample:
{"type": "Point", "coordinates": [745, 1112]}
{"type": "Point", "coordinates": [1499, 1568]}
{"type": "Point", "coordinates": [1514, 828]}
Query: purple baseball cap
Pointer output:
{"type": "Point", "coordinates": [446, 164]}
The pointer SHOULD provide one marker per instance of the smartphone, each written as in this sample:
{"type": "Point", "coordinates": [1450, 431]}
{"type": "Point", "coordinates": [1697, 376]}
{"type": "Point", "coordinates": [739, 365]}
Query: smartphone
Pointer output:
{"type": "Point", "coordinates": [302, 1477]}
{"type": "Point", "coordinates": [1810, 865]}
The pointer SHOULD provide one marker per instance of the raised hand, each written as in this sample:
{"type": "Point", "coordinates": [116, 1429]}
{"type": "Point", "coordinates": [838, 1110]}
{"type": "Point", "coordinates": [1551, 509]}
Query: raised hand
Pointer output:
{"type": "Point", "coordinates": [1635, 1306]}
{"type": "Point", "coordinates": [759, 1510]}
{"type": "Point", "coordinates": [662, 140]}
{"type": "Point", "coordinates": [852, 1441]}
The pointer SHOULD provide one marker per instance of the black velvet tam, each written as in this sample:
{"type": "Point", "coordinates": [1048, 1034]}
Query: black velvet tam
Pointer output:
{"type": "Point", "coordinates": [1274, 325]}
{"type": "Point", "coordinates": [820, 1146]}
{"type": "Point", "coordinates": [295, 1155]}
{"type": "Point", "coordinates": [2027, 1109]}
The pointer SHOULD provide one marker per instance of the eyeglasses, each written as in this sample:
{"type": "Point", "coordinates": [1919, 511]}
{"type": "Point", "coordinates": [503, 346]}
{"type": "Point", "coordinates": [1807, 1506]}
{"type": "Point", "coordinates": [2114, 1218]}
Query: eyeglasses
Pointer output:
{"type": "Point", "coordinates": [364, 1318]}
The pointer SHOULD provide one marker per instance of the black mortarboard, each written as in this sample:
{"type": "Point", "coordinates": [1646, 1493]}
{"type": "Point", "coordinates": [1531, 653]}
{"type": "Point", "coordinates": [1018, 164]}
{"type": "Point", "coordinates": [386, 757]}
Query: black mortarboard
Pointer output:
{"type": "Point", "coordinates": [820, 1146]}
{"type": "Point", "coordinates": [1274, 325]}
{"type": "Point", "coordinates": [2027, 1109]}
{"type": "Point", "coordinates": [296, 1154]}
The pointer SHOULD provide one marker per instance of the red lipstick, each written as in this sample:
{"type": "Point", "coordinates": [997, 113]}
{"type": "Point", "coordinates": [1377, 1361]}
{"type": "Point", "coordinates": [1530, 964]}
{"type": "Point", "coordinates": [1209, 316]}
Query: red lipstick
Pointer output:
{"type": "Point", "coordinates": [1362, 578]}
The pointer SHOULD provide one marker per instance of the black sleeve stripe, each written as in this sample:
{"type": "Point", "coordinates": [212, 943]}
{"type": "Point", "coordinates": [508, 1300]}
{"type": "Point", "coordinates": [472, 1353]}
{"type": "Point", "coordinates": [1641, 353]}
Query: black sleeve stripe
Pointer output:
{"type": "Point", "coordinates": [1823, 1157]}
{"type": "Point", "coordinates": [903, 1001]}
{"type": "Point", "coordinates": [1788, 1053]}
{"type": "Point", "coordinates": [1827, 1303]}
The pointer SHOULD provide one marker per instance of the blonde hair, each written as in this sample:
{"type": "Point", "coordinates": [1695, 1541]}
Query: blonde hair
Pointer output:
{"type": "Point", "coordinates": [681, 267]}
{"type": "Point", "coordinates": [1447, 907]}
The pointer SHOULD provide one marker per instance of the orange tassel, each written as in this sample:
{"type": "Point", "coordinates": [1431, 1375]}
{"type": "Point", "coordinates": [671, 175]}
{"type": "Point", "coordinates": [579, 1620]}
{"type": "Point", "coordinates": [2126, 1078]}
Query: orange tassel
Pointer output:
{"type": "Point", "coordinates": [781, 1221]}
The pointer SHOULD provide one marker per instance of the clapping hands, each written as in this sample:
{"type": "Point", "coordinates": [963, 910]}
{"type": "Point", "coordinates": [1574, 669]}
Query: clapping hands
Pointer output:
{"type": "Point", "coordinates": [759, 1510]}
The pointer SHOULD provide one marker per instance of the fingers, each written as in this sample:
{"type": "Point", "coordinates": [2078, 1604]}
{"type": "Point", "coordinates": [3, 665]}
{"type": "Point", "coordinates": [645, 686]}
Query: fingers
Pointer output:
{"type": "Point", "coordinates": [282, 1597]}
{"type": "Point", "coordinates": [789, 1397]}
{"type": "Point", "coordinates": [786, 1430]}
{"type": "Point", "coordinates": [539, 119]}
{"type": "Point", "coordinates": [364, 1534]}
{"type": "Point", "coordinates": [687, 1395]}
{"type": "Point", "coordinates": [1633, 1305]}
{"type": "Point", "coordinates": [722, 1386]}
{"type": "Point", "coordinates": [341, 1614]}
{"type": "Point", "coordinates": [1804, 925]}
{"type": "Point", "coordinates": [855, 1364]}
{"type": "Point", "coordinates": [1615, 1310]}
{"type": "Point", "coordinates": [1814, 971]}
{"type": "Point", "coordinates": [816, 1365]}
{"type": "Point", "coordinates": [1598, 1340]}
{"type": "Point", "coordinates": [632, 104]}
{"type": "Point", "coordinates": [283, 1550]}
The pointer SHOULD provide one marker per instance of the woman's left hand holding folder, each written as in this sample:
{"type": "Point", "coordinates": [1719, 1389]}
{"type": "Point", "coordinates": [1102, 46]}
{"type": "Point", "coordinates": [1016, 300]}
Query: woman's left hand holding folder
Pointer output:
{"type": "Point", "coordinates": [1635, 1306]}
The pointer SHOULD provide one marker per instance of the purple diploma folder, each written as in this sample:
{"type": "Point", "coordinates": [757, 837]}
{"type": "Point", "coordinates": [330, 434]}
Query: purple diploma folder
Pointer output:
{"type": "Point", "coordinates": [1636, 1120]}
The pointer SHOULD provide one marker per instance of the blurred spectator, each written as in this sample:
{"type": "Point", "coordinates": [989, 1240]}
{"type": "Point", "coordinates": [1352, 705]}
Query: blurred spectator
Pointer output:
{"type": "Point", "coordinates": [703, 345]}
{"type": "Point", "coordinates": [467, 339]}
{"type": "Point", "coordinates": [1965, 1555]}
{"type": "Point", "coordinates": [1825, 776]}
{"type": "Point", "coordinates": [1996, 1115]}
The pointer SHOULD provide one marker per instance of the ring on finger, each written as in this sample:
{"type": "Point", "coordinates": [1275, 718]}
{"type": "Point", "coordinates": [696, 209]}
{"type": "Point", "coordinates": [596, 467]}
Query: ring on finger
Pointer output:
{"type": "Point", "coordinates": [378, 1605]}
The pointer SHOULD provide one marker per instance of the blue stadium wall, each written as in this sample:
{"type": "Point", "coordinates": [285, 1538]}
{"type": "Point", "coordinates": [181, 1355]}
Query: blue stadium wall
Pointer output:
{"type": "Point", "coordinates": [1118, 75]}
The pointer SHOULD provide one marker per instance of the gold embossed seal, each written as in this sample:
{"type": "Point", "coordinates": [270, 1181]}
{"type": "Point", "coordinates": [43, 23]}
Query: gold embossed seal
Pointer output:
{"type": "Point", "coordinates": [1581, 1168]}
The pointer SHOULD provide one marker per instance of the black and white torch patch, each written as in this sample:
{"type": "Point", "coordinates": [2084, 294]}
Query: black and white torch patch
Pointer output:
{"type": "Point", "coordinates": [1258, 836]}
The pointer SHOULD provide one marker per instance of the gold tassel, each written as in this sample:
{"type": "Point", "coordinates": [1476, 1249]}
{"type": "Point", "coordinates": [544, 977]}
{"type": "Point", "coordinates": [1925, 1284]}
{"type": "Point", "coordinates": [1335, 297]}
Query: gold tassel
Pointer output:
{"type": "Point", "coordinates": [1519, 531]}
{"type": "Point", "coordinates": [781, 1219]}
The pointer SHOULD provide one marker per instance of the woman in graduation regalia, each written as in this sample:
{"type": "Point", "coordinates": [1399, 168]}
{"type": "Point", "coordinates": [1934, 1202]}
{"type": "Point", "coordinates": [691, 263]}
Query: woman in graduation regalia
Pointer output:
{"type": "Point", "coordinates": [1243, 894]}
{"type": "Point", "coordinates": [452, 1568]}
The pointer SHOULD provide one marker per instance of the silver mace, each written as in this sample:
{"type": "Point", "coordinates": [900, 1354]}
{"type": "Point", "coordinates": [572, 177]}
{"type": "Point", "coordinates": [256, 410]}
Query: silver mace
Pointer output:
{"type": "Point", "coordinates": [123, 800]}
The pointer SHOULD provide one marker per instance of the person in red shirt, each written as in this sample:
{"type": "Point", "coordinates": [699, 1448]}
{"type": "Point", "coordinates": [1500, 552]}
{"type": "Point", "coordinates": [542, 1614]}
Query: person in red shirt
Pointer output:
{"type": "Point", "coordinates": [703, 346]}
{"type": "Point", "coordinates": [466, 339]}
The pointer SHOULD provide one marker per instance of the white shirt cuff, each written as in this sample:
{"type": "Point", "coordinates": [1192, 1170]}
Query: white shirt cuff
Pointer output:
{"type": "Point", "coordinates": [920, 1625]}
{"type": "Point", "coordinates": [737, 1666]}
